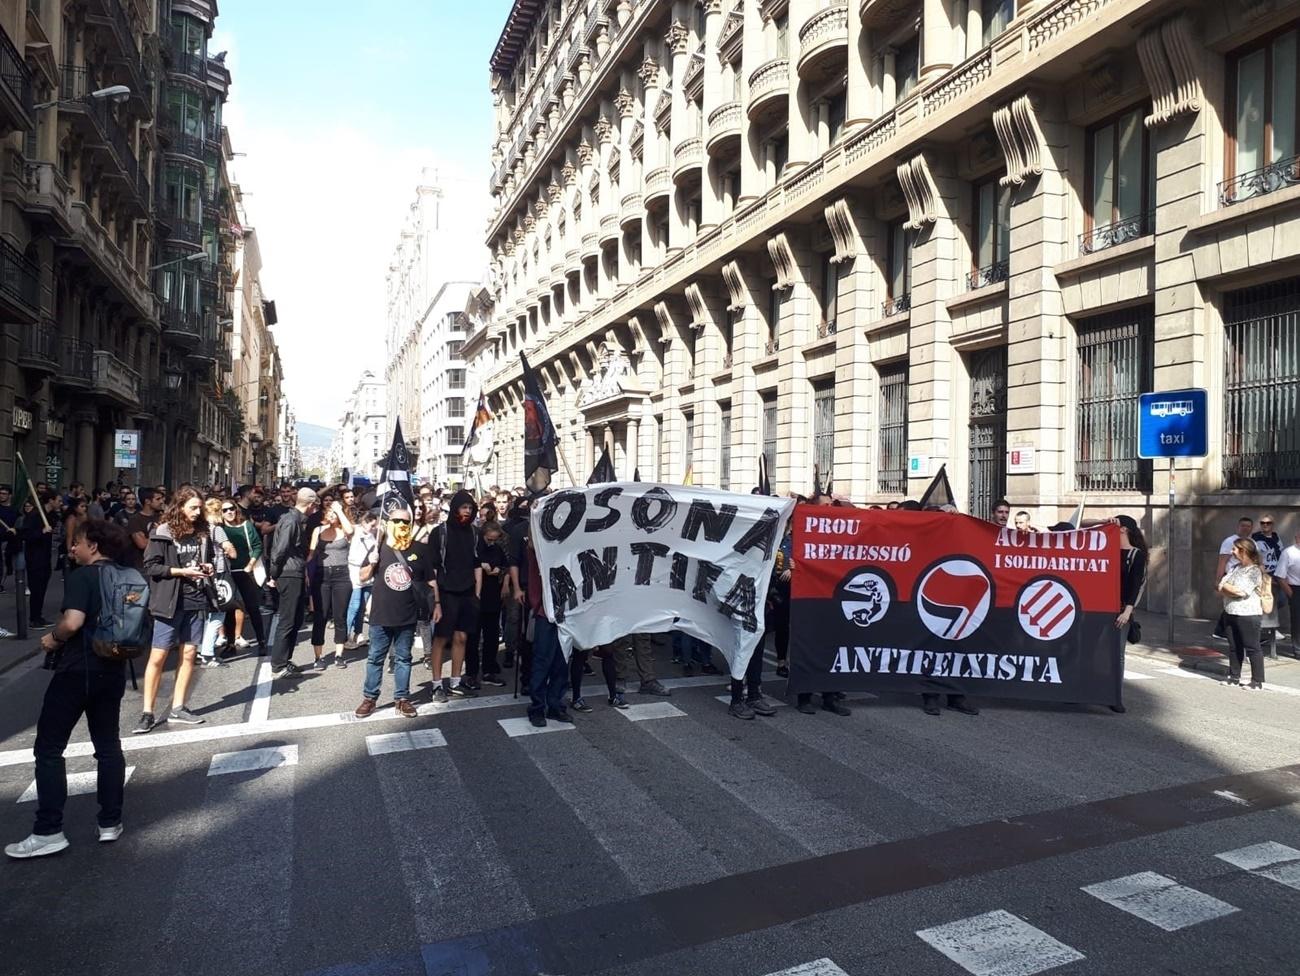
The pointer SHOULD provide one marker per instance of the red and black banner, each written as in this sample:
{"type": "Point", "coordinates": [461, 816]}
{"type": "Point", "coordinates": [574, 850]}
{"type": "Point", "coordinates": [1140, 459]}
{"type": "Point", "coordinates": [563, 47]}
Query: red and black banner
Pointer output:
{"type": "Point", "coordinates": [945, 603]}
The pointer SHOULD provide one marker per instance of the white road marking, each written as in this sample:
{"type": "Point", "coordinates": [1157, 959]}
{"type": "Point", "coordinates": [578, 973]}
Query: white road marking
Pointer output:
{"type": "Point", "coordinates": [79, 784]}
{"type": "Point", "coordinates": [515, 727]}
{"type": "Point", "coordinates": [999, 944]}
{"type": "Point", "coordinates": [1159, 900]}
{"type": "Point", "coordinates": [382, 745]}
{"type": "Point", "coordinates": [1232, 797]}
{"type": "Point", "coordinates": [818, 967]}
{"type": "Point", "coordinates": [253, 759]}
{"type": "Point", "coordinates": [1271, 860]}
{"type": "Point", "coordinates": [643, 713]}
{"type": "Point", "coordinates": [261, 710]}
{"type": "Point", "coordinates": [1137, 676]}
{"type": "Point", "coordinates": [1183, 673]}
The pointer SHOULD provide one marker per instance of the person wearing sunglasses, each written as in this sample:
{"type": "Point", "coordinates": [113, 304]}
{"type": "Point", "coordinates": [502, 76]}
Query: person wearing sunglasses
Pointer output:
{"type": "Point", "coordinates": [246, 569]}
{"type": "Point", "coordinates": [403, 576]}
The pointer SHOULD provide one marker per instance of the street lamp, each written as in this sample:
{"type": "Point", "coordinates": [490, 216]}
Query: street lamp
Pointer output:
{"type": "Point", "coordinates": [113, 93]}
{"type": "Point", "coordinates": [189, 257]}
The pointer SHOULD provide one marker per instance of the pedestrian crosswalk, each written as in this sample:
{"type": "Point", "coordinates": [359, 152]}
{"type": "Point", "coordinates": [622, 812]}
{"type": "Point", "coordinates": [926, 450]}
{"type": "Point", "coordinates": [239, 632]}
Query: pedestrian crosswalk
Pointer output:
{"type": "Point", "coordinates": [250, 760]}
{"type": "Point", "coordinates": [998, 943]}
{"type": "Point", "coordinates": [1159, 900]}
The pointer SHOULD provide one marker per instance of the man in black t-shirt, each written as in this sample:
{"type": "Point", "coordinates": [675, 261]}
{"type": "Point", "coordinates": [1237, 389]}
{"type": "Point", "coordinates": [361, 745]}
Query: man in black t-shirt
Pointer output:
{"type": "Point", "coordinates": [82, 683]}
{"type": "Point", "coordinates": [402, 572]}
{"type": "Point", "coordinates": [460, 580]}
{"type": "Point", "coordinates": [141, 523]}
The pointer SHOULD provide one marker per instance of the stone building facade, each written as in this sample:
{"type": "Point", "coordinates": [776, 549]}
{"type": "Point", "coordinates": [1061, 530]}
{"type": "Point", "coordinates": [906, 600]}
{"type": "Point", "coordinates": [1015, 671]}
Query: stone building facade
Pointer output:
{"type": "Point", "coordinates": [117, 234]}
{"type": "Point", "coordinates": [874, 237]}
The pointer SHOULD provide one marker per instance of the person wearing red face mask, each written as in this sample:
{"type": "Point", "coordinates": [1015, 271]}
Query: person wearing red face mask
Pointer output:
{"type": "Point", "coordinates": [460, 581]}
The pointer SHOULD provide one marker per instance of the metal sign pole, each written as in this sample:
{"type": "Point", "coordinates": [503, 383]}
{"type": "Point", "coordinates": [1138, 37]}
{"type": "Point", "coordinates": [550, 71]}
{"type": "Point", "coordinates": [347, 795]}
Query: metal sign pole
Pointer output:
{"type": "Point", "coordinates": [1169, 550]}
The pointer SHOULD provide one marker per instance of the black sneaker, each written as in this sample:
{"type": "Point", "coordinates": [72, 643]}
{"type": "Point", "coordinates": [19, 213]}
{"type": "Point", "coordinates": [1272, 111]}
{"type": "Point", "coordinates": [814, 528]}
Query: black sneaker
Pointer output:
{"type": "Point", "coordinates": [740, 709]}
{"type": "Point", "coordinates": [493, 680]}
{"type": "Point", "coordinates": [808, 708]}
{"type": "Point", "coordinates": [560, 717]}
{"type": "Point", "coordinates": [835, 708]}
{"type": "Point", "coordinates": [290, 670]}
{"type": "Point", "coordinates": [617, 700]}
{"type": "Point", "coordinates": [320, 664]}
{"type": "Point", "coordinates": [463, 690]}
{"type": "Point", "coordinates": [183, 716]}
{"type": "Point", "coordinates": [782, 671]}
{"type": "Point", "coordinates": [440, 695]}
{"type": "Point", "coordinates": [581, 705]}
{"type": "Point", "coordinates": [538, 720]}
{"type": "Point", "coordinates": [759, 706]}
{"type": "Point", "coordinates": [145, 725]}
{"type": "Point", "coordinates": [654, 688]}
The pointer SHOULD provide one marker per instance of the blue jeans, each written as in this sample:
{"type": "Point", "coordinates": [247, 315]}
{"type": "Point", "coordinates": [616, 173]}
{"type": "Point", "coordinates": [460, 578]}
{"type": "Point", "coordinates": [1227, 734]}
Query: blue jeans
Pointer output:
{"type": "Point", "coordinates": [381, 639]}
{"type": "Point", "coordinates": [211, 628]}
{"type": "Point", "coordinates": [550, 673]}
{"type": "Point", "coordinates": [357, 608]}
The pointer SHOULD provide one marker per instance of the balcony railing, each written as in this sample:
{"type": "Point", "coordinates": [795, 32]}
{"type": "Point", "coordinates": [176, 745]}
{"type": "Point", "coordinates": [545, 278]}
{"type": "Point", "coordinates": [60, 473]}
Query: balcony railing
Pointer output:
{"type": "Point", "coordinates": [990, 274]}
{"type": "Point", "coordinates": [20, 279]}
{"type": "Point", "coordinates": [1120, 232]}
{"type": "Point", "coordinates": [688, 155]}
{"type": "Point", "coordinates": [185, 231]}
{"type": "Point", "coordinates": [39, 345]}
{"type": "Point", "coordinates": [75, 86]}
{"type": "Point", "coordinates": [122, 29]}
{"type": "Point", "coordinates": [724, 121]}
{"type": "Point", "coordinates": [77, 361]}
{"type": "Point", "coordinates": [192, 64]}
{"type": "Point", "coordinates": [115, 378]}
{"type": "Point", "coordinates": [896, 306]}
{"type": "Point", "coordinates": [767, 79]}
{"type": "Point", "coordinates": [1256, 183]}
{"type": "Point", "coordinates": [182, 323]}
{"type": "Point", "coordinates": [14, 73]}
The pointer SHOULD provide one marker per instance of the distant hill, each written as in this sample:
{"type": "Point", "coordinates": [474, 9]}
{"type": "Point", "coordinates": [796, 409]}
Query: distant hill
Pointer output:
{"type": "Point", "coordinates": [311, 435]}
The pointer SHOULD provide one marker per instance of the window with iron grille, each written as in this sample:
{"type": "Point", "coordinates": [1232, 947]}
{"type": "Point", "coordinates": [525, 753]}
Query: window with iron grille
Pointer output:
{"type": "Point", "coordinates": [892, 451]}
{"type": "Point", "coordinates": [1115, 366]}
{"type": "Point", "coordinates": [724, 451]}
{"type": "Point", "coordinates": [690, 449]}
{"type": "Point", "coordinates": [1263, 118]}
{"type": "Point", "coordinates": [769, 435]}
{"type": "Point", "coordinates": [824, 429]}
{"type": "Point", "coordinates": [1261, 416]}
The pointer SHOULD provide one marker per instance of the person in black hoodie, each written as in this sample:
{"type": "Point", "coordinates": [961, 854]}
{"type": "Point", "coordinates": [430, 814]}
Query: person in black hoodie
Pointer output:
{"type": "Point", "coordinates": [481, 654]}
{"type": "Point", "coordinates": [454, 546]}
{"type": "Point", "coordinates": [288, 570]}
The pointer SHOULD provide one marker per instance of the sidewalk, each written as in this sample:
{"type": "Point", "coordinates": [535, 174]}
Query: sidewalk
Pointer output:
{"type": "Point", "coordinates": [14, 652]}
{"type": "Point", "coordinates": [1193, 647]}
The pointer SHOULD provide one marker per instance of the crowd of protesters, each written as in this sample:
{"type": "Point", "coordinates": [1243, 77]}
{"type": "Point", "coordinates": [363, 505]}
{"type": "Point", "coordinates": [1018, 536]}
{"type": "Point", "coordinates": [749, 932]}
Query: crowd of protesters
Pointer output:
{"type": "Point", "coordinates": [457, 573]}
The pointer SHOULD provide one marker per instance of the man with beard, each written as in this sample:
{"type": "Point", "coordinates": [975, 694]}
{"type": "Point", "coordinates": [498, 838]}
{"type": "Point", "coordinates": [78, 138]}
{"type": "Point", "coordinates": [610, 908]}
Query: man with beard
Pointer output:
{"type": "Point", "coordinates": [454, 548]}
{"type": "Point", "coordinates": [402, 573]}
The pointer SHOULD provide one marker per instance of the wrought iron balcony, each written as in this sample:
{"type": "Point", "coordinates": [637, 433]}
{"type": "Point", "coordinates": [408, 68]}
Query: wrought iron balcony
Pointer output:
{"type": "Point", "coordinates": [20, 280]}
{"type": "Point", "coordinates": [896, 306]}
{"type": "Point", "coordinates": [181, 324]}
{"type": "Point", "coordinates": [1266, 179]}
{"type": "Point", "coordinates": [1120, 232]}
{"type": "Point", "coordinates": [76, 362]}
{"type": "Point", "coordinates": [75, 86]}
{"type": "Point", "coordinates": [114, 15]}
{"type": "Point", "coordinates": [988, 275]}
{"type": "Point", "coordinates": [38, 347]}
{"type": "Point", "coordinates": [15, 85]}
{"type": "Point", "coordinates": [192, 64]}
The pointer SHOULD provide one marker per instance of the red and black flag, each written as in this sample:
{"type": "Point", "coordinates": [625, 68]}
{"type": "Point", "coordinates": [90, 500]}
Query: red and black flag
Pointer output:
{"type": "Point", "coordinates": [394, 489]}
{"type": "Point", "coordinates": [539, 433]}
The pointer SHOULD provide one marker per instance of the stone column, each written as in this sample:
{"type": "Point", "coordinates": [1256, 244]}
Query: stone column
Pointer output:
{"type": "Point", "coordinates": [794, 463]}
{"type": "Point", "coordinates": [679, 130]}
{"type": "Point", "coordinates": [860, 108]}
{"type": "Point", "coordinates": [84, 467]}
{"type": "Point", "coordinates": [802, 130]}
{"type": "Point", "coordinates": [650, 147]}
{"type": "Point", "coordinates": [752, 149]}
{"type": "Point", "coordinates": [712, 209]}
{"type": "Point", "coordinates": [937, 39]}
{"type": "Point", "coordinates": [888, 78]}
{"type": "Point", "coordinates": [633, 450]}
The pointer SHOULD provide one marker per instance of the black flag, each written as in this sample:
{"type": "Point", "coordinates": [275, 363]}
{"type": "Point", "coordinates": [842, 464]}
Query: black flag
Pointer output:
{"type": "Point", "coordinates": [604, 469]}
{"type": "Point", "coordinates": [539, 433]}
{"type": "Point", "coordinates": [940, 492]}
{"type": "Point", "coordinates": [817, 481]}
{"type": "Point", "coordinates": [764, 483]}
{"type": "Point", "coordinates": [394, 489]}
{"type": "Point", "coordinates": [636, 474]}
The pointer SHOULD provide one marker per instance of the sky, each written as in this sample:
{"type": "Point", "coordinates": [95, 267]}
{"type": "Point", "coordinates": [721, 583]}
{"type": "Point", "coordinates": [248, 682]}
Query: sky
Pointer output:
{"type": "Point", "coordinates": [335, 108]}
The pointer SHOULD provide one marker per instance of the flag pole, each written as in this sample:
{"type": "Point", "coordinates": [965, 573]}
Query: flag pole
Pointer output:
{"type": "Point", "coordinates": [36, 500]}
{"type": "Point", "coordinates": [565, 461]}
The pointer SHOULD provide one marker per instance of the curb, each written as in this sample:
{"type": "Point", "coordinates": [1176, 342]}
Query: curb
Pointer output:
{"type": "Point", "coordinates": [8, 666]}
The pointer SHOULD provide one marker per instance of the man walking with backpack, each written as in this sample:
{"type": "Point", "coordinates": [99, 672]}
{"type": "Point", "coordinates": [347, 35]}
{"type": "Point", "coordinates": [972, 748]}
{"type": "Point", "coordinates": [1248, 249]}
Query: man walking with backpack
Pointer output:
{"type": "Point", "coordinates": [105, 622]}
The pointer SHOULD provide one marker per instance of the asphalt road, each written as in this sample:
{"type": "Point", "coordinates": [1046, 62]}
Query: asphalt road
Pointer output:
{"type": "Point", "coordinates": [672, 840]}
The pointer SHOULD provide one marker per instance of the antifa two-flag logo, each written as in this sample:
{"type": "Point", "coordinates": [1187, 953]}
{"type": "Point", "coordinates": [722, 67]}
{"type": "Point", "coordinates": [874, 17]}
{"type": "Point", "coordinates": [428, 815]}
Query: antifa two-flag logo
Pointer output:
{"type": "Point", "coordinates": [953, 598]}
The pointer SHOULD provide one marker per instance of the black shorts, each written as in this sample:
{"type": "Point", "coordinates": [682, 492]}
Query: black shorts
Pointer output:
{"type": "Point", "coordinates": [459, 614]}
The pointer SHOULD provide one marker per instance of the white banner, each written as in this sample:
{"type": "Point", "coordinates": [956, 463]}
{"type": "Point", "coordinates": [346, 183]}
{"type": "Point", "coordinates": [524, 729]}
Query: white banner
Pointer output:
{"type": "Point", "coordinates": [633, 557]}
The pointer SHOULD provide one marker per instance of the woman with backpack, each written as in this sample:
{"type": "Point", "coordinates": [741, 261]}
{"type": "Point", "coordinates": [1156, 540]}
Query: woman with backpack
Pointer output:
{"type": "Point", "coordinates": [83, 683]}
{"type": "Point", "coordinates": [178, 563]}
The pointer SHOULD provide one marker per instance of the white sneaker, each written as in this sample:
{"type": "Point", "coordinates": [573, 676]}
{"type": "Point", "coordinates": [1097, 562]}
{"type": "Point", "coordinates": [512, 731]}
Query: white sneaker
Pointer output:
{"type": "Point", "coordinates": [221, 640]}
{"type": "Point", "coordinates": [242, 643]}
{"type": "Point", "coordinates": [38, 845]}
{"type": "Point", "coordinates": [5, 633]}
{"type": "Point", "coordinates": [109, 834]}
